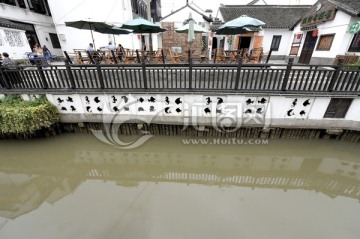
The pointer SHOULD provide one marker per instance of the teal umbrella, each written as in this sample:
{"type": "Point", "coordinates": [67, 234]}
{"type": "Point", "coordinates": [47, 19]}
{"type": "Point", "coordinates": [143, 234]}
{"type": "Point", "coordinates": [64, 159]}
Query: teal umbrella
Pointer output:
{"type": "Point", "coordinates": [114, 31]}
{"type": "Point", "coordinates": [141, 26]}
{"type": "Point", "coordinates": [191, 32]}
{"type": "Point", "coordinates": [88, 24]}
{"type": "Point", "coordinates": [185, 29]}
{"type": "Point", "coordinates": [240, 25]}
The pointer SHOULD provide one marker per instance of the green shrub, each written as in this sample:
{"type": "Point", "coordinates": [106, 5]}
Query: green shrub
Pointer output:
{"type": "Point", "coordinates": [23, 117]}
{"type": "Point", "coordinates": [354, 66]}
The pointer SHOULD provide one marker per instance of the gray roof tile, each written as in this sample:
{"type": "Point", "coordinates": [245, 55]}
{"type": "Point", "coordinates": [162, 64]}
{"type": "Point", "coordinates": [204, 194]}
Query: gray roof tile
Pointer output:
{"type": "Point", "coordinates": [350, 6]}
{"type": "Point", "coordinates": [275, 16]}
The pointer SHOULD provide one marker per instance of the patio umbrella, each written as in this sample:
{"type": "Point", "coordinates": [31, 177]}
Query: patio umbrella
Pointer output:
{"type": "Point", "coordinates": [191, 32]}
{"type": "Point", "coordinates": [185, 29]}
{"type": "Point", "coordinates": [114, 31]}
{"type": "Point", "coordinates": [141, 26]}
{"type": "Point", "coordinates": [88, 24]}
{"type": "Point", "coordinates": [240, 25]}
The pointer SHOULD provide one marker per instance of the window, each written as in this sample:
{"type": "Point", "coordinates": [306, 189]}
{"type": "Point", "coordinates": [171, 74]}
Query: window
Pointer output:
{"type": "Point", "coordinates": [10, 2]}
{"type": "Point", "coordinates": [338, 108]}
{"type": "Point", "coordinates": [325, 42]}
{"type": "Point", "coordinates": [22, 3]}
{"type": "Point", "coordinates": [355, 43]}
{"type": "Point", "coordinates": [54, 40]}
{"type": "Point", "coordinates": [275, 43]}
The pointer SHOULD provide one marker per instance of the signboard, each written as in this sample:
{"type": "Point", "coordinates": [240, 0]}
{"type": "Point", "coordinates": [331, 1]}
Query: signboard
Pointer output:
{"type": "Point", "coordinates": [354, 28]}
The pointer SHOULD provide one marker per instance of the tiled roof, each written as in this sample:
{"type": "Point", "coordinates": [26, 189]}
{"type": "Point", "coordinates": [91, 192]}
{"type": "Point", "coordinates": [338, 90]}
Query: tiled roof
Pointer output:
{"type": "Point", "coordinates": [206, 18]}
{"type": "Point", "coordinates": [350, 6]}
{"type": "Point", "coordinates": [275, 16]}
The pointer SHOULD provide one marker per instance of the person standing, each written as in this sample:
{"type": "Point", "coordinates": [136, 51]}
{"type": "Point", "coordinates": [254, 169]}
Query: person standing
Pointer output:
{"type": "Point", "coordinates": [120, 51]}
{"type": "Point", "coordinates": [47, 53]}
{"type": "Point", "coordinates": [11, 75]}
{"type": "Point", "coordinates": [38, 50]}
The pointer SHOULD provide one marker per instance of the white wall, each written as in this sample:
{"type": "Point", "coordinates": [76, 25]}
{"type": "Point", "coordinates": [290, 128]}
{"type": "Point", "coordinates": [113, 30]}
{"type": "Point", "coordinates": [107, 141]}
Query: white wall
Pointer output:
{"type": "Point", "coordinates": [43, 26]}
{"type": "Point", "coordinates": [342, 39]}
{"type": "Point", "coordinates": [179, 17]}
{"type": "Point", "coordinates": [286, 37]}
{"type": "Point", "coordinates": [114, 12]}
{"type": "Point", "coordinates": [17, 52]}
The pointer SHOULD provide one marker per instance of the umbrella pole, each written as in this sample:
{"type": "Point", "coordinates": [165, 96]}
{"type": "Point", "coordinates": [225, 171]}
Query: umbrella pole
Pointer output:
{"type": "Point", "coordinates": [114, 40]}
{"type": "Point", "coordinates": [92, 37]}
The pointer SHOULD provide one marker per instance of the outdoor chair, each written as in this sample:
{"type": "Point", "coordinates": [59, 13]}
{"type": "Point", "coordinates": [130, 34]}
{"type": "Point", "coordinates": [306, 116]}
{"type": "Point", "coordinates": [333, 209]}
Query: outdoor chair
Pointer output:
{"type": "Point", "coordinates": [244, 55]}
{"type": "Point", "coordinates": [255, 55]}
{"type": "Point", "coordinates": [204, 56]}
{"type": "Point", "coordinates": [175, 58]}
{"type": "Point", "coordinates": [129, 57]}
{"type": "Point", "coordinates": [158, 58]}
{"type": "Point", "coordinates": [80, 59]}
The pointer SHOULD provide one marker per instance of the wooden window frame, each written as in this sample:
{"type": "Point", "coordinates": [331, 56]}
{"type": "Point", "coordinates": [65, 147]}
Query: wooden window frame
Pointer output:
{"type": "Point", "coordinates": [274, 42]}
{"type": "Point", "coordinates": [319, 42]}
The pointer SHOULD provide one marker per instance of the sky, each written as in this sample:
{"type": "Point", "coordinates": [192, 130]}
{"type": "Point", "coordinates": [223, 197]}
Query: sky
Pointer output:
{"type": "Point", "coordinates": [172, 5]}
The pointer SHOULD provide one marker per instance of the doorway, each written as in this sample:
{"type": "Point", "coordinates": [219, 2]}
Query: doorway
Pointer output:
{"type": "Point", "coordinates": [244, 42]}
{"type": "Point", "coordinates": [308, 48]}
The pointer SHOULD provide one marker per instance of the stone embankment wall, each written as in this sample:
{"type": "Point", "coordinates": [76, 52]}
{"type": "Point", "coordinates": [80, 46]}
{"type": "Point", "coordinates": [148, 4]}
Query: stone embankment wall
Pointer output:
{"type": "Point", "coordinates": [214, 115]}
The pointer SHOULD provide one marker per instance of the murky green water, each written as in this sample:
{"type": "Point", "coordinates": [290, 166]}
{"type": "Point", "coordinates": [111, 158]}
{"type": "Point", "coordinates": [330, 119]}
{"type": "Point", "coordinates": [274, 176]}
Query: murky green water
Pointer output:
{"type": "Point", "coordinates": [74, 186]}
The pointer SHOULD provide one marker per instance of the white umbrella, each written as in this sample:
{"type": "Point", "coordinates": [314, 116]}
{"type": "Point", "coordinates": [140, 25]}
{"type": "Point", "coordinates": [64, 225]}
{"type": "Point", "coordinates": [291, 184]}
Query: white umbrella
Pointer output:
{"type": "Point", "coordinates": [185, 29]}
{"type": "Point", "coordinates": [240, 25]}
{"type": "Point", "coordinates": [191, 32]}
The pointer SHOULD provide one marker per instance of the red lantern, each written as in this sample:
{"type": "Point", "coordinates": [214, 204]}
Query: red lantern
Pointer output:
{"type": "Point", "coordinates": [315, 32]}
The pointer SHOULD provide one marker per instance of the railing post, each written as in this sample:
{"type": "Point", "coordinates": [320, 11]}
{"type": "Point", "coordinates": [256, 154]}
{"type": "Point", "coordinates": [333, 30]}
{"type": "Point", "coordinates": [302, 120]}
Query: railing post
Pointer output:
{"type": "Point", "coordinates": [336, 74]}
{"type": "Point", "coordinates": [143, 66]}
{"type": "Point", "coordinates": [163, 56]}
{"type": "Point", "coordinates": [215, 55]}
{"type": "Point", "coordinates": [238, 71]}
{"type": "Point", "coordinates": [101, 79]}
{"type": "Point", "coordinates": [189, 55]}
{"type": "Point", "coordinates": [3, 79]}
{"type": "Point", "coordinates": [137, 56]}
{"type": "Point", "coordinates": [71, 77]}
{"type": "Point", "coordinates": [42, 75]}
{"type": "Point", "coordinates": [190, 73]}
{"type": "Point", "coordinates": [287, 74]}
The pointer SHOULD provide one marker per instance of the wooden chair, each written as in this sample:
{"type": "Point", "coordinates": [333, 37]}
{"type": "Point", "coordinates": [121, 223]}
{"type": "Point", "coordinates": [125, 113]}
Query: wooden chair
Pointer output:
{"type": "Point", "coordinates": [175, 58]}
{"type": "Point", "coordinates": [255, 55]}
{"type": "Point", "coordinates": [204, 56]}
{"type": "Point", "coordinates": [220, 56]}
{"type": "Point", "coordinates": [158, 57]}
{"type": "Point", "coordinates": [244, 55]}
{"type": "Point", "coordinates": [129, 57]}
{"type": "Point", "coordinates": [80, 58]}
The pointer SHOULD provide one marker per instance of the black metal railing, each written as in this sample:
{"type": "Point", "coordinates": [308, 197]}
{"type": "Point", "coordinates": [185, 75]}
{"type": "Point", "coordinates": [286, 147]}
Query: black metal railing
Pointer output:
{"type": "Point", "coordinates": [222, 78]}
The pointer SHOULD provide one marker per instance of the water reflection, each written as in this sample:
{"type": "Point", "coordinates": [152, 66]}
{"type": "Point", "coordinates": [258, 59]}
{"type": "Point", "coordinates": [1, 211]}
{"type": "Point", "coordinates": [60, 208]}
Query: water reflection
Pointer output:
{"type": "Point", "coordinates": [28, 181]}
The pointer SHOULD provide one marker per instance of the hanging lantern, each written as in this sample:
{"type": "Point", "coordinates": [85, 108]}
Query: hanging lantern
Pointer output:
{"type": "Point", "coordinates": [315, 32]}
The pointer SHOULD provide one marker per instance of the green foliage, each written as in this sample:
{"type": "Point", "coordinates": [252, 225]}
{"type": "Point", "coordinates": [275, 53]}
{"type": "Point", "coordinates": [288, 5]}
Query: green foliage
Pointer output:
{"type": "Point", "coordinates": [354, 66]}
{"type": "Point", "coordinates": [20, 116]}
{"type": "Point", "coordinates": [20, 62]}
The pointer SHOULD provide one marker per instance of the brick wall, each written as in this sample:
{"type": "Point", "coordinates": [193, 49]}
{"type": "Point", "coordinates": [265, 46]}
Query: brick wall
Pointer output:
{"type": "Point", "coordinates": [170, 38]}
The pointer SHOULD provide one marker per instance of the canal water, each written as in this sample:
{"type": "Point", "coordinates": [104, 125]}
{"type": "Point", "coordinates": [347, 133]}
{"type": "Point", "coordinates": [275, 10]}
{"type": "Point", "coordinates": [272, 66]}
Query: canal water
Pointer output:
{"type": "Point", "coordinates": [74, 186]}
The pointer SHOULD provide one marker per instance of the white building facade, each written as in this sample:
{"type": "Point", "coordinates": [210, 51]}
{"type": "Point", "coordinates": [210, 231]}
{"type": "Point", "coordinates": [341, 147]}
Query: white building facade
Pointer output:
{"type": "Point", "coordinates": [324, 32]}
{"type": "Point", "coordinates": [24, 23]}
